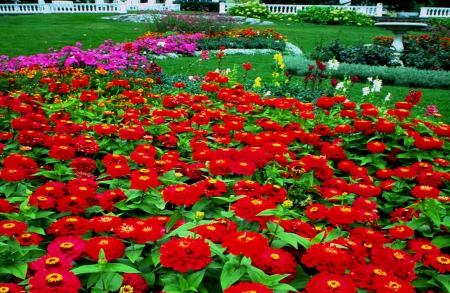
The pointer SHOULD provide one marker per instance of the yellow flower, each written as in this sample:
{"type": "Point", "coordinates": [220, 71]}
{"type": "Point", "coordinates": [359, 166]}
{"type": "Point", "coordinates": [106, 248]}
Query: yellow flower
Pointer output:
{"type": "Point", "coordinates": [257, 82]}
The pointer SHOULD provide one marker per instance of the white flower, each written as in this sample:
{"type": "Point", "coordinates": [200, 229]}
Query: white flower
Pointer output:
{"type": "Point", "coordinates": [161, 44]}
{"type": "Point", "coordinates": [341, 85]}
{"type": "Point", "coordinates": [377, 85]}
{"type": "Point", "coordinates": [388, 97]}
{"type": "Point", "coordinates": [333, 64]}
{"type": "Point", "coordinates": [267, 94]}
{"type": "Point", "coordinates": [370, 79]}
{"type": "Point", "coordinates": [366, 91]}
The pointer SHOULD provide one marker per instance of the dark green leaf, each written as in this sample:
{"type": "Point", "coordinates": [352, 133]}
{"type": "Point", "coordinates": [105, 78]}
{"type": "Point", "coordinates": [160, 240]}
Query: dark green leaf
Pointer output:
{"type": "Point", "coordinates": [120, 268]}
{"type": "Point", "coordinates": [441, 241]}
{"type": "Point", "coordinates": [231, 273]}
{"type": "Point", "coordinates": [196, 278]}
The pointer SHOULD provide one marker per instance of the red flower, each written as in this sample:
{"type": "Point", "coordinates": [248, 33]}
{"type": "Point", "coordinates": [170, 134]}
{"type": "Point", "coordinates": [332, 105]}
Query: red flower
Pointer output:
{"type": "Point", "coordinates": [424, 191]}
{"type": "Point", "coordinates": [12, 174]}
{"type": "Point", "coordinates": [71, 246]}
{"type": "Point", "coordinates": [401, 232]}
{"type": "Point", "coordinates": [144, 179]}
{"type": "Point", "coordinates": [245, 287]}
{"type": "Point", "coordinates": [213, 187]}
{"type": "Point", "coordinates": [185, 254]}
{"type": "Point", "coordinates": [11, 288]}
{"type": "Point", "coordinates": [113, 247]}
{"type": "Point", "coordinates": [391, 284]}
{"type": "Point", "coordinates": [216, 231]}
{"type": "Point", "coordinates": [325, 257]}
{"type": "Point", "coordinates": [316, 212]}
{"type": "Point", "coordinates": [52, 261]}
{"type": "Point", "coordinates": [220, 166]}
{"type": "Point", "coordinates": [330, 283]}
{"type": "Point", "coordinates": [28, 239]}
{"type": "Point", "coordinates": [117, 170]}
{"type": "Point", "coordinates": [385, 126]}
{"type": "Point", "coordinates": [243, 167]}
{"type": "Point", "coordinates": [247, 66]}
{"type": "Point", "coordinates": [248, 208]}
{"type": "Point", "coordinates": [133, 283]}
{"type": "Point", "coordinates": [182, 194]}
{"type": "Point", "coordinates": [375, 146]}
{"type": "Point", "coordinates": [247, 243]}
{"type": "Point", "coordinates": [12, 227]}
{"type": "Point", "coordinates": [82, 164]}
{"type": "Point", "coordinates": [422, 247]}
{"type": "Point", "coordinates": [325, 102]}
{"type": "Point", "coordinates": [343, 215]}
{"type": "Point", "coordinates": [440, 262]}
{"type": "Point", "coordinates": [54, 281]}
{"type": "Point", "coordinates": [72, 225]}
{"type": "Point", "coordinates": [5, 206]}
{"type": "Point", "coordinates": [276, 262]}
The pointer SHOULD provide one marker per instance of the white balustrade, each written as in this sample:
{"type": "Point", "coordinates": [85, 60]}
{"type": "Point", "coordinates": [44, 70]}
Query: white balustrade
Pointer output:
{"type": "Point", "coordinates": [70, 7]}
{"type": "Point", "coordinates": [434, 12]}
{"type": "Point", "coordinates": [292, 9]}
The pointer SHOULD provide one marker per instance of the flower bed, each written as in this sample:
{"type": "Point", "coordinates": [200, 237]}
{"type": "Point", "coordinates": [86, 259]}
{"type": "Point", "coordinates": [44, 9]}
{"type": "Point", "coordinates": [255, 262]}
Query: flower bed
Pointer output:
{"type": "Point", "coordinates": [115, 182]}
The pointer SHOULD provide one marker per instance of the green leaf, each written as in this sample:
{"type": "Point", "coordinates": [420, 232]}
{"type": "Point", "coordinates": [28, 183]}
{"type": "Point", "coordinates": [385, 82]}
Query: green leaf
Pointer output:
{"type": "Point", "coordinates": [441, 241]}
{"type": "Point", "coordinates": [444, 280]}
{"type": "Point", "coordinates": [283, 287]}
{"type": "Point", "coordinates": [113, 282]}
{"type": "Point", "coordinates": [269, 212]}
{"type": "Point", "coordinates": [14, 244]}
{"type": "Point", "coordinates": [196, 278]}
{"type": "Point", "coordinates": [155, 255]}
{"type": "Point", "coordinates": [318, 238]}
{"type": "Point", "coordinates": [184, 285]}
{"type": "Point", "coordinates": [19, 270]}
{"type": "Point", "coordinates": [432, 212]}
{"type": "Point", "coordinates": [334, 234]}
{"type": "Point", "coordinates": [417, 223]}
{"type": "Point", "coordinates": [93, 278]}
{"type": "Point", "coordinates": [256, 275]}
{"type": "Point", "coordinates": [294, 239]}
{"type": "Point", "coordinates": [87, 269]}
{"type": "Point", "coordinates": [134, 251]}
{"type": "Point", "coordinates": [231, 273]}
{"type": "Point", "coordinates": [4, 271]}
{"type": "Point", "coordinates": [120, 268]}
{"type": "Point", "coordinates": [173, 219]}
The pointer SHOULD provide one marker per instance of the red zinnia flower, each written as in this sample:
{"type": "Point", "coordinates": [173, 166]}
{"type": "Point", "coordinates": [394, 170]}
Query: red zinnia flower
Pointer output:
{"type": "Point", "coordinates": [424, 191]}
{"type": "Point", "coordinates": [11, 288]}
{"type": "Point", "coordinates": [244, 287]}
{"type": "Point", "coordinates": [316, 212]}
{"type": "Point", "coordinates": [82, 164]}
{"type": "Point", "coordinates": [61, 152]}
{"type": "Point", "coordinates": [12, 174]}
{"type": "Point", "coordinates": [375, 146]}
{"type": "Point", "coordinates": [391, 284]}
{"type": "Point", "coordinates": [440, 262]}
{"type": "Point", "coordinates": [243, 167]}
{"type": "Point", "coordinates": [117, 170]}
{"type": "Point", "coordinates": [71, 246]}
{"type": "Point", "coordinates": [71, 225]}
{"type": "Point", "coordinates": [185, 254]}
{"type": "Point", "coordinates": [182, 194]}
{"type": "Point", "coordinates": [325, 257]}
{"type": "Point", "coordinates": [247, 243]}
{"type": "Point", "coordinates": [133, 283]}
{"type": "Point", "coordinates": [12, 227]}
{"type": "Point", "coordinates": [325, 102]}
{"type": "Point", "coordinates": [113, 247]}
{"type": "Point", "coordinates": [54, 281]}
{"type": "Point", "coordinates": [52, 261]}
{"type": "Point", "coordinates": [401, 232]}
{"type": "Point", "coordinates": [276, 261]}
{"type": "Point", "coordinates": [422, 247]}
{"type": "Point", "coordinates": [28, 239]}
{"type": "Point", "coordinates": [326, 282]}
{"type": "Point", "coordinates": [248, 208]}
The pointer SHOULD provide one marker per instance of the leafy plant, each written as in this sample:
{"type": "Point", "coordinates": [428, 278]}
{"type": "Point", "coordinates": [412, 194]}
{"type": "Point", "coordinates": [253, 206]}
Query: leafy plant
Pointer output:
{"type": "Point", "coordinates": [249, 9]}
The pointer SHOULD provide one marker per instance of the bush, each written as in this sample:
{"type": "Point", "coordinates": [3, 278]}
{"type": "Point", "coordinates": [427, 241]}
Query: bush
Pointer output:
{"type": "Point", "coordinates": [398, 76]}
{"type": "Point", "coordinates": [440, 22]}
{"type": "Point", "coordinates": [362, 54]}
{"type": "Point", "coordinates": [249, 9]}
{"type": "Point", "coordinates": [330, 15]}
{"type": "Point", "coordinates": [423, 52]}
{"type": "Point", "coordinates": [202, 6]}
{"type": "Point", "coordinates": [190, 23]}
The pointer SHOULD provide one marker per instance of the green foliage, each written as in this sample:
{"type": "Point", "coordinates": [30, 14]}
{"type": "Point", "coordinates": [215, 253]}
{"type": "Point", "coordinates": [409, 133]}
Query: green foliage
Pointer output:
{"type": "Point", "coordinates": [398, 76]}
{"type": "Point", "coordinates": [241, 43]}
{"type": "Point", "coordinates": [361, 54]}
{"type": "Point", "coordinates": [330, 15]}
{"type": "Point", "coordinates": [189, 5]}
{"type": "Point", "coordinates": [250, 9]}
{"type": "Point", "coordinates": [169, 21]}
{"type": "Point", "coordinates": [437, 22]}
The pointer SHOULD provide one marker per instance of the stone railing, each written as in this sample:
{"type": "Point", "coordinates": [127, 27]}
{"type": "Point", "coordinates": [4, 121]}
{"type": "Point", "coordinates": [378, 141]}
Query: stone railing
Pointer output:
{"type": "Point", "coordinates": [434, 12]}
{"type": "Point", "coordinates": [71, 7]}
{"type": "Point", "coordinates": [292, 9]}
{"type": "Point", "coordinates": [21, 8]}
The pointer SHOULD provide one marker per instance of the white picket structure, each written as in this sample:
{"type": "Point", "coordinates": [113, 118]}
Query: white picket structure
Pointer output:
{"type": "Point", "coordinates": [443, 12]}
{"type": "Point", "coordinates": [98, 7]}
{"type": "Point", "coordinates": [292, 9]}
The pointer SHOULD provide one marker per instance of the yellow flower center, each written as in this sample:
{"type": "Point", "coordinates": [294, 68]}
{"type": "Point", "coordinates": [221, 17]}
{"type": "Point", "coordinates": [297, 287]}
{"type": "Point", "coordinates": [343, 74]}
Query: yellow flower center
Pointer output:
{"type": "Point", "coordinates": [275, 256]}
{"type": "Point", "coordinates": [53, 278]}
{"type": "Point", "coordinates": [52, 260]}
{"type": "Point", "coordinates": [443, 260]}
{"type": "Point", "coordinates": [333, 284]}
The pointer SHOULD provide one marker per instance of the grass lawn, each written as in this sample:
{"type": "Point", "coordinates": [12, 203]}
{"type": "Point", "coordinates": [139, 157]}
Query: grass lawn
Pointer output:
{"type": "Point", "coordinates": [33, 34]}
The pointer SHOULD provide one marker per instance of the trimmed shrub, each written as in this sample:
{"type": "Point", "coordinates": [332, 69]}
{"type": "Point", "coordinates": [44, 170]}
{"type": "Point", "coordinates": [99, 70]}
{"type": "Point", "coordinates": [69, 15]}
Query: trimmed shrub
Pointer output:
{"type": "Point", "coordinates": [398, 76]}
{"type": "Point", "coordinates": [241, 43]}
{"type": "Point", "coordinates": [249, 9]}
{"type": "Point", "coordinates": [333, 16]}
